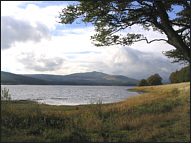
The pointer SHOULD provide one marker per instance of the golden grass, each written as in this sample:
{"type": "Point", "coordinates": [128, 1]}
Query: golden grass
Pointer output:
{"type": "Point", "coordinates": [155, 124]}
{"type": "Point", "coordinates": [162, 114]}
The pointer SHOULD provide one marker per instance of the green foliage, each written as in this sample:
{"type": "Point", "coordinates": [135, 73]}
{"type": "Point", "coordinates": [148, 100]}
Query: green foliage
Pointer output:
{"type": "Point", "coordinates": [5, 94]}
{"type": "Point", "coordinates": [180, 76]}
{"type": "Point", "coordinates": [158, 107]}
{"type": "Point", "coordinates": [154, 80]}
{"type": "Point", "coordinates": [110, 17]}
{"type": "Point", "coordinates": [142, 82]}
{"type": "Point", "coordinates": [176, 55]}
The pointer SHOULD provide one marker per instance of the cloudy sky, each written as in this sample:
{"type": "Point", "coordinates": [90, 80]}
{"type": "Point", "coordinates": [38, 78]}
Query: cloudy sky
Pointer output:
{"type": "Point", "coordinates": [33, 42]}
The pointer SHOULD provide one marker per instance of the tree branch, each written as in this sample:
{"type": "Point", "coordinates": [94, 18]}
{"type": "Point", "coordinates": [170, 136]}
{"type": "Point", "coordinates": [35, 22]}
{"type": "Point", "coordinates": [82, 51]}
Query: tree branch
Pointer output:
{"type": "Point", "coordinates": [151, 40]}
{"type": "Point", "coordinates": [181, 30]}
{"type": "Point", "coordinates": [181, 24]}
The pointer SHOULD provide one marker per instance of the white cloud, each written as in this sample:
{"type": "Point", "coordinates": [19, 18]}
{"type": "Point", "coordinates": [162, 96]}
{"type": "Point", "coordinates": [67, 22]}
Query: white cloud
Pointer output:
{"type": "Point", "coordinates": [121, 60]}
{"type": "Point", "coordinates": [42, 63]}
{"type": "Point", "coordinates": [13, 30]}
{"type": "Point", "coordinates": [10, 8]}
{"type": "Point", "coordinates": [34, 52]}
{"type": "Point", "coordinates": [156, 46]}
{"type": "Point", "coordinates": [33, 13]}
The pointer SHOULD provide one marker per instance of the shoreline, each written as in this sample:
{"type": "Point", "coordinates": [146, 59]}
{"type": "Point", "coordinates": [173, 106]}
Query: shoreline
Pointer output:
{"type": "Point", "coordinates": [22, 101]}
{"type": "Point", "coordinates": [140, 90]}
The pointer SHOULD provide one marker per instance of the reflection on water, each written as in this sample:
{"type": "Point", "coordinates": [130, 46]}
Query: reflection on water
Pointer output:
{"type": "Point", "coordinates": [69, 95]}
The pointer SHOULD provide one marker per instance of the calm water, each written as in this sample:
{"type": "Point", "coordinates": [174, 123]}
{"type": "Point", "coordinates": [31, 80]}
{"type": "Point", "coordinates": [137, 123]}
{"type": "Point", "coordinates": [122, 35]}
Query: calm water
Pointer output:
{"type": "Point", "coordinates": [69, 95]}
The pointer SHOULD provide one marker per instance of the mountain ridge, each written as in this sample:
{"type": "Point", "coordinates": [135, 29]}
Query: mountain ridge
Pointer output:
{"type": "Point", "coordinates": [87, 78]}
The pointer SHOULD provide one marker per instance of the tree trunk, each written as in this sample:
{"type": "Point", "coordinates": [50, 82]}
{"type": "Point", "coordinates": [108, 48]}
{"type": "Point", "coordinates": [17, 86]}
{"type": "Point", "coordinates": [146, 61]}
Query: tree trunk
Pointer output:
{"type": "Point", "coordinates": [173, 38]}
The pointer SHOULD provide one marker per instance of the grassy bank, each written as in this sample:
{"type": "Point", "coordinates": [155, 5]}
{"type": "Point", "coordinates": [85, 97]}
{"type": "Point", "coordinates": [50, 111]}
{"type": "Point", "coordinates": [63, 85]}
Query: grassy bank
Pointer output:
{"type": "Point", "coordinates": [162, 114]}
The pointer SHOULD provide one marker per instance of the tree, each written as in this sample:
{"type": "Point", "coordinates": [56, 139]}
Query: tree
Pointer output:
{"type": "Point", "coordinates": [142, 82]}
{"type": "Point", "coordinates": [180, 76]}
{"type": "Point", "coordinates": [172, 77]}
{"type": "Point", "coordinates": [177, 55]}
{"type": "Point", "coordinates": [154, 80]}
{"type": "Point", "coordinates": [110, 17]}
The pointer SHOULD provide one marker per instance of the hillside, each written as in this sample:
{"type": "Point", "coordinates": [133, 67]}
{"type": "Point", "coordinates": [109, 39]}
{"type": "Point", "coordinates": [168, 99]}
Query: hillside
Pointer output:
{"type": "Point", "coordinates": [72, 77]}
{"type": "Point", "coordinates": [120, 78]}
{"type": "Point", "coordinates": [46, 77]}
{"type": "Point", "coordinates": [88, 78]}
{"type": "Point", "coordinates": [9, 78]}
{"type": "Point", "coordinates": [91, 76]}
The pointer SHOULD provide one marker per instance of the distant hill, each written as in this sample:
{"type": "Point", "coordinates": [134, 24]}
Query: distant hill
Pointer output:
{"type": "Point", "coordinates": [71, 77]}
{"type": "Point", "coordinates": [9, 78]}
{"type": "Point", "coordinates": [88, 78]}
{"type": "Point", "coordinates": [46, 77]}
{"type": "Point", "coordinates": [91, 76]}
{"type": "Point", "coordinates": [120, 78]}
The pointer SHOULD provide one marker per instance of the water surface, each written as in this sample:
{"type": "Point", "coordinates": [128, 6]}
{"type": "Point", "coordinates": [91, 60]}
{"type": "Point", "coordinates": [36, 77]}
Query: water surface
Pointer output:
{"type": "Point", "coordinates": [69, 95]}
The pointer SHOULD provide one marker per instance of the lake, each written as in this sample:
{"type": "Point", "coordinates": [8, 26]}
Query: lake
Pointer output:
{"type": "Point", "coordinates": [69, 95]}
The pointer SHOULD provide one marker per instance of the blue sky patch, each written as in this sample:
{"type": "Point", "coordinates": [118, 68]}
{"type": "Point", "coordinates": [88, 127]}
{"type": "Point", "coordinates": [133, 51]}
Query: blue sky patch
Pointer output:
{"type": "Point", "coordinates": [71, 57]}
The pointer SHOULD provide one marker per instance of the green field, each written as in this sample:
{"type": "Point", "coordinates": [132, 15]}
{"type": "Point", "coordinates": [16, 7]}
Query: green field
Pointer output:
{"type": "Point", "coordinates": [162, 114]}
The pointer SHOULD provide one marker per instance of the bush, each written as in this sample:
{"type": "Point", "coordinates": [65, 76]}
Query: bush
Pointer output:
{"type": "Point", "coordinates": [142, 82]}
{"type": "Point", "coordinates": [5, 94]}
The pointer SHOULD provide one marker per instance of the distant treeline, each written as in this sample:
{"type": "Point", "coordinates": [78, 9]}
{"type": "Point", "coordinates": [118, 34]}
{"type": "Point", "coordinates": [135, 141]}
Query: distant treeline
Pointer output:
{"type": "Point", "coordinates": [152, 80]}
{"type": "Point", "coordinates": [183, 75]}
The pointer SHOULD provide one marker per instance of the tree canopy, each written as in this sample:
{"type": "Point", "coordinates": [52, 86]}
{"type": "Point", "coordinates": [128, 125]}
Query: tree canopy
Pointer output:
{"type": "Point", "coordinates": [183, 75]}
{"type": "Point", "coordinates": [142, 82]}
{"type": "Point", "coordinates": [110, 17]}
{"type": "Point", "coordinates": [154, 80]}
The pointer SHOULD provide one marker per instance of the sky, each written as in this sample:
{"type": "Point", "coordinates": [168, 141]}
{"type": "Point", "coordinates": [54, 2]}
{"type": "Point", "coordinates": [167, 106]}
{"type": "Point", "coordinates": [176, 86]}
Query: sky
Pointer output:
{"type": "Point", "coordinates": [33, 42]}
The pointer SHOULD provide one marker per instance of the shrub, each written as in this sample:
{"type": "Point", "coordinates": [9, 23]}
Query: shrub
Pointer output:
{"type": "Point", "coordinates": [5, 94]}
{"type": "Point", "coordinates": [77, 108]}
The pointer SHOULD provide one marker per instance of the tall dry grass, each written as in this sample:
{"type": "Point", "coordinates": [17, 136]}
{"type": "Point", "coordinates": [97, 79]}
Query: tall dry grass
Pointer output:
{"type": "Point", "coordinates": [162, 114]}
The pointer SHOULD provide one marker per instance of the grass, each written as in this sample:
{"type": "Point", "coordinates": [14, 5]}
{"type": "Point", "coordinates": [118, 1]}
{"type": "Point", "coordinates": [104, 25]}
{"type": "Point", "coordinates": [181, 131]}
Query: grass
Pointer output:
{"type": "Point", "coordinates": [161, 114]}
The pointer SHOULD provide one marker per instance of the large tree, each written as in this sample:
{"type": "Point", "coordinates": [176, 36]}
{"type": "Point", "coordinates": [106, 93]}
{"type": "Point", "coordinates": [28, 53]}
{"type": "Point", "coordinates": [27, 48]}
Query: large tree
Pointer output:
{"type": "Point", "coordinates": [154, 80]}
{"type": "Point", "coordinates": [110, 17]}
